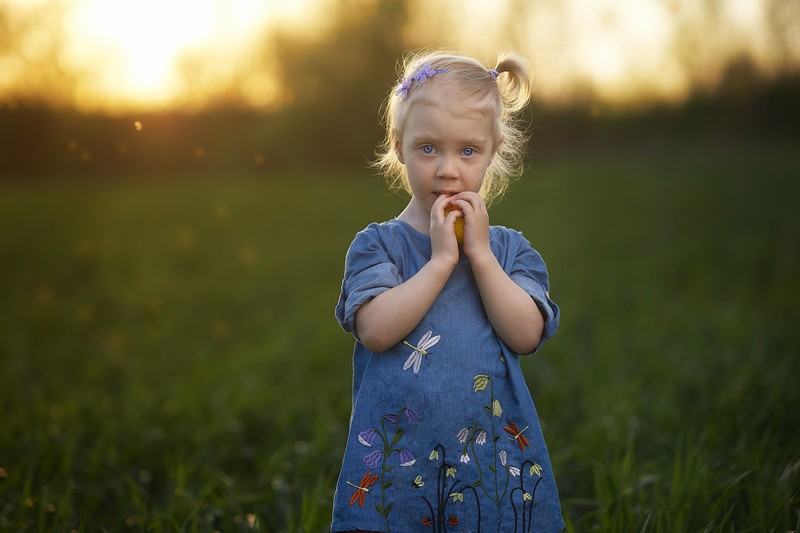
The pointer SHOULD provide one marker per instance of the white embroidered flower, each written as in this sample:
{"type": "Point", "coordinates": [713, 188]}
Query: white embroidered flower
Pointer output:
{"type": "Point", "coordinates": [503, 457]}
{"type": "Point", "coordinates": [463, 435]}
{"type": "Point", "coordinates": [481, 438]}
{"type": "Point", "coordinates": [464, 458]}
{"type": "Point", "coordinates": [514, 471]}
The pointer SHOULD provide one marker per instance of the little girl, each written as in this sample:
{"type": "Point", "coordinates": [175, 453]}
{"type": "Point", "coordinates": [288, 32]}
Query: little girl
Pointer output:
{"type": "Point", "coordinates": [444, 435]}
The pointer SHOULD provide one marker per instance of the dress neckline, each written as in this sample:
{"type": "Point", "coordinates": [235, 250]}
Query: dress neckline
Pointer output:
{"type": "Point", "coordinates": [413, 231]}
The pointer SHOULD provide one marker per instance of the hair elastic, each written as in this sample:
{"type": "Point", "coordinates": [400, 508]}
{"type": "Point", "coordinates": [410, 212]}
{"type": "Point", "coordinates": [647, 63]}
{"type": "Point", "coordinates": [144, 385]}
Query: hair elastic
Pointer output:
{"type": "Point", "coordinates": [493, 73]}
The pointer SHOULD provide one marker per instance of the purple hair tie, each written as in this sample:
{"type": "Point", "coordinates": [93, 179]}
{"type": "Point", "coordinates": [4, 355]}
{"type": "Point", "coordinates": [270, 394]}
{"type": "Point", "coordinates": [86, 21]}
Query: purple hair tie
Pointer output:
{"type": "Point", "coordinates": [419, 76]}
{"type": "Point", "coordinates": [405, 85]}
{"type": "Point", "coordinates": [493, 73]}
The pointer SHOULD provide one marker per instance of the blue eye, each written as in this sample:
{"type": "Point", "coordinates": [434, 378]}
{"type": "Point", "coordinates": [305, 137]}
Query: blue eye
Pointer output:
{"type": "Point", "coordinates": [468, 151]}
{"type": "Point", "coordinates": [427, 149]}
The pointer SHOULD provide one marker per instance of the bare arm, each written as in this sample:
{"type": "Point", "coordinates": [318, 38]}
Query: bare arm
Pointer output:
{"type": "Point", "coordinates": [513, 313]}
{"type": "Point", "coordinates": [389, 317]}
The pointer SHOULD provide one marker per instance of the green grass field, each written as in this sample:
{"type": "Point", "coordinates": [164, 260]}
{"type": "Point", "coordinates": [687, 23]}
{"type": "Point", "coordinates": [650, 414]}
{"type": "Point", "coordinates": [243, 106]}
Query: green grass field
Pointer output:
{"type": "Point", "coordinates": [169, 358]}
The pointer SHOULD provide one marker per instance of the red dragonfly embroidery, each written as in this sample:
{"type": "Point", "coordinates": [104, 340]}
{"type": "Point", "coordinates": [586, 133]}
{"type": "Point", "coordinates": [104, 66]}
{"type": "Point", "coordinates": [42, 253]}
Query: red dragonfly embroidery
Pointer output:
{"type": "Point", "coordinates": [362, 488]}
{"type": "Point", "coordinates": [520, 439]}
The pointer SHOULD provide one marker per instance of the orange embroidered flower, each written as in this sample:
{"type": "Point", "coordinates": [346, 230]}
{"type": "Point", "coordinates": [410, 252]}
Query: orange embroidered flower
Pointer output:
{"type": "Point", "coordinates": [453, 520]}
{"type": "Point", "coordinates": [519, 438]}
{"type": "Point", "coordinates": [426, 521]}
{"type": "Point", "coordinates": [362, 488]}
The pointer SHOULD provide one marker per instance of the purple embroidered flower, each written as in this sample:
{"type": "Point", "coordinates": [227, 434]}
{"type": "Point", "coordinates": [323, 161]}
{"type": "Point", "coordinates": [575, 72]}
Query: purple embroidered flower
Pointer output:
{"type": "Point", "coordinates": [405, 85]}
{"type": "Point", "coordinates": [412, 416]}
{"type": "Point", "coordinates": [367, 438]}
{"type": "Point", "coordinates": [406, 459]}
{"type": "Point", "coordinates": [373, 459]}
{"type": "Point", "coordinates": [391, 417]}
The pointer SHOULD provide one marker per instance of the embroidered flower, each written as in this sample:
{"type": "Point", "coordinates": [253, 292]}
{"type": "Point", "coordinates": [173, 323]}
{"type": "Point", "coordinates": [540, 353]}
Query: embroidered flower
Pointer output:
{"type": "Point", "coordinates": [426, 521]}
{"type": "Point", "coordinates": [463, 435]}
{"type": "Point", "coordinates": [406, 459]}
{"type": "Point", "coordinates": [464, 457]}
{"type": "Point", "coordinates": [451, 472]}
{"type": "Point", "coordinates": [362, 488]}
{"type": "Point", "coordinates": [457, 497]}
{"type": "Point", "coordinates": [536, 469]}
{"type": "Point", "coordinates": [503, 457]}
{"type": "Point", "coordinates": [434, 455]}
{"type": "Point", "coordinates": [411, 415]}
{"type": "Point", "coordinates": [481, 438]}
{"type": "Point", "coordinates": [481, 382]}
{"type": "Point", "coordinates": [452, 520]}
{"type": "Point", "coordinates": [418, 482]}
{"type": "Point", "coordinates": [391, 417]}
{"type": "Point", "coordinates": [514, 471]}
{"type": "Point", "coordinates": [496, 409]}
{"type": "Point", "coordinates": [367, 437]}
{"type": "Point", "coordinates": [373, 459]}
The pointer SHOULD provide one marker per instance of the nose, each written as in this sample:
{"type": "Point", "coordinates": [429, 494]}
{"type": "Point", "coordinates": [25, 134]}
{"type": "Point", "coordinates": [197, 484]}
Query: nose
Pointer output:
{"type": "Point", "coordinates": [448, 167]}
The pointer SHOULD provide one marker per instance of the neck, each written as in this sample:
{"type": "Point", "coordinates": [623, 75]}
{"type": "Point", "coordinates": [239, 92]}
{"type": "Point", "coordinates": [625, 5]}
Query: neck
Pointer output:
{"type": "Point", "coordinates": [417, 216]}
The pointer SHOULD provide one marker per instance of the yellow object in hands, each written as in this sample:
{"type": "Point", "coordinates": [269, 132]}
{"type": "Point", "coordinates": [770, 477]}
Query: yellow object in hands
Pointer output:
{"type": "Point", "coordinates": [459, 224]}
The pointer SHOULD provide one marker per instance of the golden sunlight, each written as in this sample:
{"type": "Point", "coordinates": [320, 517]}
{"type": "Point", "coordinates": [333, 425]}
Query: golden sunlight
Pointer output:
{"type": "Point", "coordinates": [131, 51]}
{"type": "Point", "coordinates": [130, 54]}
{"type": "Point", "coordinates": [135, 45]}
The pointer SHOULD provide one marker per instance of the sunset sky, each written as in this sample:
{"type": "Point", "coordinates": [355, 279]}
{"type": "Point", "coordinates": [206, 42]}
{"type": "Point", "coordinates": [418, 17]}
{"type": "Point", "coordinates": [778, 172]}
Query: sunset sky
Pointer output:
{"type": "Point", "coordinates": [126, 53]}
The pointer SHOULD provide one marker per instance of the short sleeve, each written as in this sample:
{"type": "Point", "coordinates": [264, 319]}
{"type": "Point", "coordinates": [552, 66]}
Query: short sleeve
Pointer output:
{"type": "Point", "coordinates": [369, 271]}
{"type": "Point", "coordinates": [529, 272]}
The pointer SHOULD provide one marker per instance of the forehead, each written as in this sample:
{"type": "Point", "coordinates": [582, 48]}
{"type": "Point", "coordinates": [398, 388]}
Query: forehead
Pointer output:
{"type": "Point", "coordinates": [443, 109]}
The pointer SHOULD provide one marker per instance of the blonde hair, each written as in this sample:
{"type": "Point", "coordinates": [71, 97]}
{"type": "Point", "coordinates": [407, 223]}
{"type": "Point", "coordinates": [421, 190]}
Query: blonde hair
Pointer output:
{"type": "Point", "coordinates": [507, 89]}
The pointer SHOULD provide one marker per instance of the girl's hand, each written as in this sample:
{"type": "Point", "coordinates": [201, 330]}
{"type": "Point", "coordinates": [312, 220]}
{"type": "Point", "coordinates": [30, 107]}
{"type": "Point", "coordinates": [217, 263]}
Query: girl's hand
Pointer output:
{"type": "Point", "coordinates": [444, 246]}
{"type": "Point", "coordinates": [476, 225]}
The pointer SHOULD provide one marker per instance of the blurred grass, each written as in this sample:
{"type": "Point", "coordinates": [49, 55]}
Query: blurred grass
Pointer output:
{"type": "Point", "coordinates": [169, 360]}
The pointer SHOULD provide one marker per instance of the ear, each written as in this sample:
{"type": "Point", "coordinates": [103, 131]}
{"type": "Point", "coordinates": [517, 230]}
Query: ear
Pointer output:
{"type": "Point", "coordinates": [398, 149]}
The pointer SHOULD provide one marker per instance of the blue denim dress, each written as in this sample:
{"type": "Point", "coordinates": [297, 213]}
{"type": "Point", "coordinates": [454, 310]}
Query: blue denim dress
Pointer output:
{"type": "Point", "coordinates": [443, 435]}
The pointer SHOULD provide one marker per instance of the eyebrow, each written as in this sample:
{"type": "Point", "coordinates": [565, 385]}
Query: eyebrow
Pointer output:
{"type": "Point", "coordinates": [463, 142]}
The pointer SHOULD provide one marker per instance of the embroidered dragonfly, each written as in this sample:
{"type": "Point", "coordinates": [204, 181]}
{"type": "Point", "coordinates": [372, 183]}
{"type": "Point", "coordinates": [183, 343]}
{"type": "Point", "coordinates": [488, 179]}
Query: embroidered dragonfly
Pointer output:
{"type": "Point", "coordinates": [362, 488]}
{"type": "Point", "coordinates": [518, 437]}
{"type": "Point", "coordinates": [415, 359]}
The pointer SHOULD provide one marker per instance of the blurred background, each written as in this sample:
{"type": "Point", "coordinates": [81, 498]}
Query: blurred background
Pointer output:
{"type": "Point", "coordinates": [180, 181]}
{"type": "Point", "coordinates": [90, 86]}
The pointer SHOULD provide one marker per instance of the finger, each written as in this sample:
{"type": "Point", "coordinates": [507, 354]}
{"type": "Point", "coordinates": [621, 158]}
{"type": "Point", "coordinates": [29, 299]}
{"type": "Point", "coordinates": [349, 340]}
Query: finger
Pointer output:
{"type": "Point", "coordinates": [437, 209]}
{"type": "Point", "coordinates": [472, 198]}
